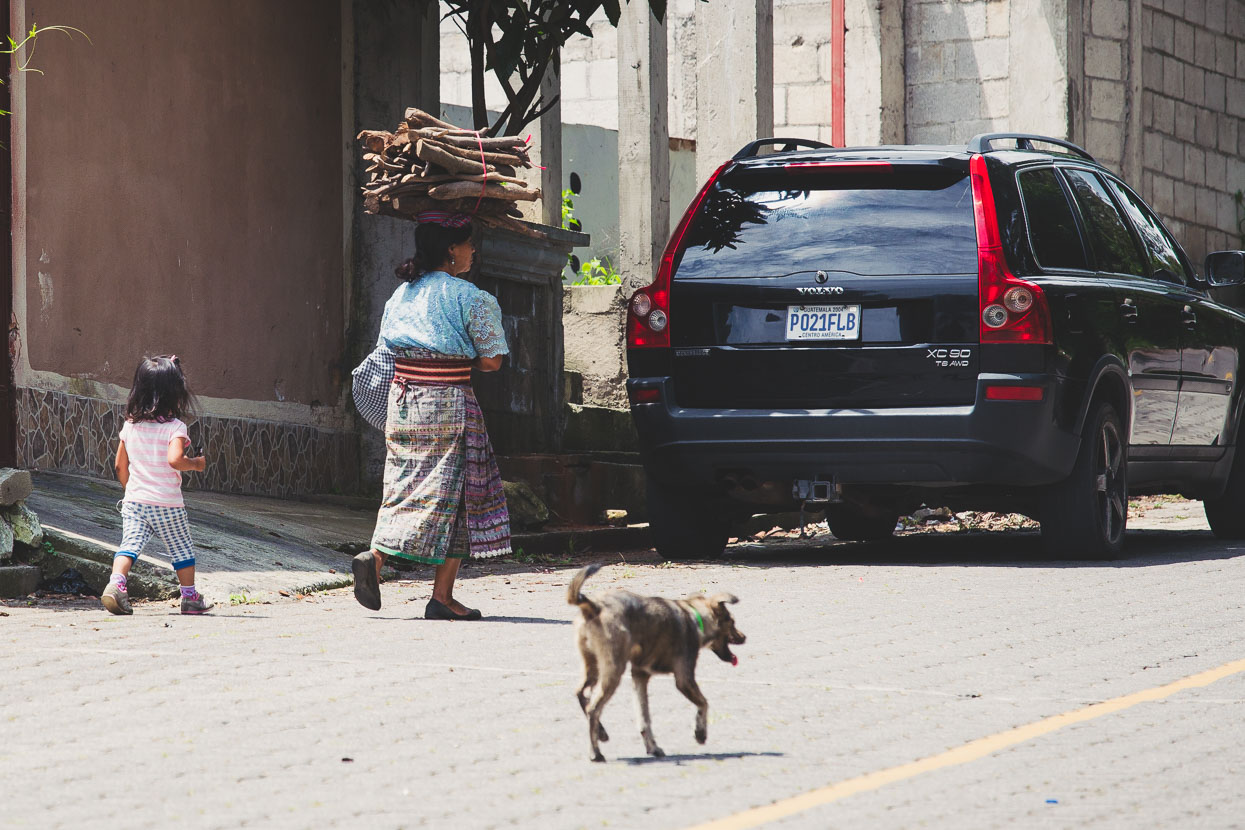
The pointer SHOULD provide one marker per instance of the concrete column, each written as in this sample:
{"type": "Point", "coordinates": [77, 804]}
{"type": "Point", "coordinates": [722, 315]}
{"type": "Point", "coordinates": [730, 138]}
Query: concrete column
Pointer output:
{"type": "Point", "coordinates": [1133, 138]}
{"type": "Point", "coordinates": [546, 152]}
{"type": "Point", "coordinates": [643, 145]}
{"type": "Point", "coordinates": [550, 135]}
{"type": "Point", "coordinates": [1076, 72]}
{"type": "Point", "coordinates": [874, 47]}
{"type": "Point", "coordinates": [1038, 67]}
{"type": "Point", "coordinates": [734, 79]}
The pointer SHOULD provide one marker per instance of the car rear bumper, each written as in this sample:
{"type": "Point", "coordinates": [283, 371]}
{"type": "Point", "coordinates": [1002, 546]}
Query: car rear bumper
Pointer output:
{"type": "Point", "coordinates": [990, 442]}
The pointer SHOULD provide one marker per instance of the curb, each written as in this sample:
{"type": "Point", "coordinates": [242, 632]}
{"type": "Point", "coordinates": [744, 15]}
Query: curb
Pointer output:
{"type": "Point", "coordinates": [94, 562]}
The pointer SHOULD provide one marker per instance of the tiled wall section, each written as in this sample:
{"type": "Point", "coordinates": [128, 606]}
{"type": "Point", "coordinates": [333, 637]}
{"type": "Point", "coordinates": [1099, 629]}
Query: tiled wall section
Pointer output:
{"type": "Point", "coordinates": [1193, 111]}
{"type": "Point", "coordinates": [72, 434]}
{"type": "Point", "coordinates": [957, 60]}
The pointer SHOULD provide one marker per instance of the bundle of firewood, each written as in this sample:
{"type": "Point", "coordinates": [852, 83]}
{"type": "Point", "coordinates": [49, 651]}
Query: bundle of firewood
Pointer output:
{"type": "Point", "coordinates": [427, 164]}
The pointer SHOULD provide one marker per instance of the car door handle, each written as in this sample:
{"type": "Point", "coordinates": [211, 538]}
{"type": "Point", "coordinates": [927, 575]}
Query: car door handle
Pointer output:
{"type": "Point", "coordinates": [1128, 310]}
{"type": "Point", "coordinates": [1188, 317]}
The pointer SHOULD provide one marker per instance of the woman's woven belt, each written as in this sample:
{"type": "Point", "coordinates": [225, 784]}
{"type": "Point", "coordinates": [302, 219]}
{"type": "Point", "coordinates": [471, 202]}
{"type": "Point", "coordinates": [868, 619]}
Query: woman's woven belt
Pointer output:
{"type": "Point", "coordinates": [432, 372]}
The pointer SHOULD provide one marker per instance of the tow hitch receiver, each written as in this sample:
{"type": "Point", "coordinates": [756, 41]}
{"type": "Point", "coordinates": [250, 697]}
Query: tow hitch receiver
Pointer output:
{"type": "Point", "coordinates": [814, 491]}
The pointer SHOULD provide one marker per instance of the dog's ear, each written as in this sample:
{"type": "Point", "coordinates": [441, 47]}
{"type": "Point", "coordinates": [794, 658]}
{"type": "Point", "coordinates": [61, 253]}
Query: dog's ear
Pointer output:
{"type": "Point", "coordinates": [720, 599]}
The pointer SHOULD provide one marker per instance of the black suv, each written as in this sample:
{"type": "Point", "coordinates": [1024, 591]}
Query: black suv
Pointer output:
{"type": "Point", "coordinates": [1003, 326]}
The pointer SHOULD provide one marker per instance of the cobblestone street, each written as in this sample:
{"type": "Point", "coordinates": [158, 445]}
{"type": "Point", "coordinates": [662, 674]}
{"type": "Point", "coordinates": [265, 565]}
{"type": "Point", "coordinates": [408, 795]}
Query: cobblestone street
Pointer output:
{"type": "Point", "coordinates": [860, 658]}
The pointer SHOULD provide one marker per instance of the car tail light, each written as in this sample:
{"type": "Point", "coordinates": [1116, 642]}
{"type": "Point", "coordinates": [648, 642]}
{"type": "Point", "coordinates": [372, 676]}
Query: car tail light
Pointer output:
{"type": "Point", "coordinates": [1014, 393]}
{"type": "Point", "coordinates": [1012, 310]}
{"type": "Point", "coordinates": [648, 313]}
{"type": "Point", "coordinates": [645, 396]}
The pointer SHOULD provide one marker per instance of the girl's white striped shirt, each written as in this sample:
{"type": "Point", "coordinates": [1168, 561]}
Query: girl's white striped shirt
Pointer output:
{"type": "Point", "coordinates": [152, 480]}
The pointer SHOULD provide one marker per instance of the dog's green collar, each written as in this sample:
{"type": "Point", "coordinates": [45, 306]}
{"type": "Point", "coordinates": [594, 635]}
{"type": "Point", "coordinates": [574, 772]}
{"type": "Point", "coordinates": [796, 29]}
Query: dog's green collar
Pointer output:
{"type": "Point", "coordinates": [699, 622]}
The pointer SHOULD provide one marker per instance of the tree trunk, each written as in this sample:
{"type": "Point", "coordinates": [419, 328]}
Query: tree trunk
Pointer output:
{"type": "Point", "coordinates": [478, 21]}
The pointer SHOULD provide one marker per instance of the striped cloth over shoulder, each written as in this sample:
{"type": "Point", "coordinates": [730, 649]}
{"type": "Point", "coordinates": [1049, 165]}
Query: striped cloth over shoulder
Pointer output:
{"type": "Point", "coordinates": [152, 480]}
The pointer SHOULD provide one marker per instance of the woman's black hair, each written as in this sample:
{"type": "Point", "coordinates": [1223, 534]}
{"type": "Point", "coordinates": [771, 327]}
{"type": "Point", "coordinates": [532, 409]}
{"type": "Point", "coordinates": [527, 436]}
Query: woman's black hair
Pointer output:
{"type": "Point", "coordinates": [159, 391]}
{"type": "Point", "coordinates": [432, 249]}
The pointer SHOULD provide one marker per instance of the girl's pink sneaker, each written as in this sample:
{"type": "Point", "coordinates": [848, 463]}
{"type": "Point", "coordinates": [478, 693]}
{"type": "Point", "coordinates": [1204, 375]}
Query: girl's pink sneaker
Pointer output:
{"type": "Point", "coordinates": [196, 604]}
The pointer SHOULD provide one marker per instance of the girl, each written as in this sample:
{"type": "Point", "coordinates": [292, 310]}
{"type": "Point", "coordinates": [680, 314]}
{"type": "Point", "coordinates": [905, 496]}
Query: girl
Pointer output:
{"type": "Point", "coordinates": [150, 461]}
{"type": "Point", "coordinates": [443, 495]}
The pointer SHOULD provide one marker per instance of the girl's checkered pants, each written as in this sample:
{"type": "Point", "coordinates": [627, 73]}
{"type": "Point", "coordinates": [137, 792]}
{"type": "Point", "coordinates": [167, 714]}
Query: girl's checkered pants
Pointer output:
{"type": "Point", "coordinates": [139, 522]}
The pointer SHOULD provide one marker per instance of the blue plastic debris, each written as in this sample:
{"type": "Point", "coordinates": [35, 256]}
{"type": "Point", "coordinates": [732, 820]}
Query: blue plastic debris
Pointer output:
{"type": "Point", "coordinates": [1052, 801]}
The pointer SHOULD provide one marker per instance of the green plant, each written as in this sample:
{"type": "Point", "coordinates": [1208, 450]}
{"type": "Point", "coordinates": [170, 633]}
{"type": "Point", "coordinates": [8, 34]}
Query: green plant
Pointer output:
{"type": "Point", "coordinates": [22, 64]}
{"type": "Point", "coordinates": [597, 271]}
{"type": "Point", "coordinates": [569, 222]}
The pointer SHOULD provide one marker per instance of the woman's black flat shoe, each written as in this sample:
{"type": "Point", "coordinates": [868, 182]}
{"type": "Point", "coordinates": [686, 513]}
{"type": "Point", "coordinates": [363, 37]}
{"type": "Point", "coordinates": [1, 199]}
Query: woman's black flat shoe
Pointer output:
{"type": "Point", "coordinates": [437, 610]}
{"type": "Point", "coordinates": [366, 585]}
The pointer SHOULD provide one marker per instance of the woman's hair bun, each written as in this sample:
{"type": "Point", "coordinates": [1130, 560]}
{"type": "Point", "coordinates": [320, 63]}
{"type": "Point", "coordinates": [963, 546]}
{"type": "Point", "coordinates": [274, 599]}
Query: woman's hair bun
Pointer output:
{"type": "Point", "coordinates": [407, 271]}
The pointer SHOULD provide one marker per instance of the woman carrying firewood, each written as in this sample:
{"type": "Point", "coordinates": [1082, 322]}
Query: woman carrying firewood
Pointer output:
{"type": "Point", "coordinates": [443, 498]}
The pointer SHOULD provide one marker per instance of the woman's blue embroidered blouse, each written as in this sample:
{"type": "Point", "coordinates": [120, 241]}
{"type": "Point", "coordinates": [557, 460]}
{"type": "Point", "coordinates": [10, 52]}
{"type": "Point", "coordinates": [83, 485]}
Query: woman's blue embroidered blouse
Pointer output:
{"type": "Point", "coordinates": [444, 314]}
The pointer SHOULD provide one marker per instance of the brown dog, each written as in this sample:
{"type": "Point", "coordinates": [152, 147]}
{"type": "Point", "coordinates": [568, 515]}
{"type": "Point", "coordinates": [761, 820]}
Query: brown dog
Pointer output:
{"type": "Point", "coordinates": [654, 635]}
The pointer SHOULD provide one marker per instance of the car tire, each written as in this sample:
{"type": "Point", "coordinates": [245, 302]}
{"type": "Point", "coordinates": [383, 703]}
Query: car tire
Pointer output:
{"type": "Point", "coordinates": [1085, 515]}
{"type": "Point", "coordinates": [685, 526]}
{"type": "Point", "coordinates": [851, 525]}
{"type": "Point", "coordinates": [1226, 514]}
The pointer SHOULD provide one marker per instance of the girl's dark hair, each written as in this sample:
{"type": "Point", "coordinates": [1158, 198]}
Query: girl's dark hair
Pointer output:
{"type": "Point", "coordinates": [432, 249]}
{"type": "Point", "coordinates": [159, 390]}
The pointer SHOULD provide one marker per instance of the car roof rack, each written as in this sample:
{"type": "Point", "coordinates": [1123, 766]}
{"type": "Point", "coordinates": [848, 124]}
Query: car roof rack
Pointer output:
{"type": "Point", "coordinates": [789, 145]}
{"type": "Point", "coordinates": [981, 143]}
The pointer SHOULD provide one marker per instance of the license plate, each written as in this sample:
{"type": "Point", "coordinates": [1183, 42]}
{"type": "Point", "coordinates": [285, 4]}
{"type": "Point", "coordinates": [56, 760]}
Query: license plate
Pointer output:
{"type": "Point", "coordinates": [823, 322]}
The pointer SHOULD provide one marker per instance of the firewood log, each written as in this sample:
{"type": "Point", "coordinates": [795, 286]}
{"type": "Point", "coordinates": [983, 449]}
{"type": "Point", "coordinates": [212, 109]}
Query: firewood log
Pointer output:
{"type": "Point", "coordinates": [375, 140]}
{"type": "Point", "coordinates": [474, 154]}
{"type": "Point", "coordinates": [499, 144]}
{"type": "Point", "coordinates": [431, 153]}
{"type": "Point", "coordinates": [462, 190]}
{"type": "Point", "coordinates": [418, 118]}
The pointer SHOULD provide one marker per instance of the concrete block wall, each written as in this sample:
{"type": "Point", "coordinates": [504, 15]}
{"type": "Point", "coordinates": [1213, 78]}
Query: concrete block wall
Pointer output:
{"type": "Point", "coordinates": [957, 63]}
{"type": "Point", "coordinates": [1193, 118]}
{"type": "Point", "coordinates": [802, 69]}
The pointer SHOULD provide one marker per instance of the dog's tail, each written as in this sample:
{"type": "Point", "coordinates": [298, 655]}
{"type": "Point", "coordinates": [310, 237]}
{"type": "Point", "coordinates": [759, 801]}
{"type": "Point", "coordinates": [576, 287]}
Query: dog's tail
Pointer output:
{"type": "Point", "coordinates": [574, 595]}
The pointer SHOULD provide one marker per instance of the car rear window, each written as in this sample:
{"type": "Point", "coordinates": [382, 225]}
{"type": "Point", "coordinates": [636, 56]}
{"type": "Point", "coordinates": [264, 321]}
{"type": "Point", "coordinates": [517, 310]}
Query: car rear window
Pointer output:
{"type": "Point", "coordinates": [744, 231]}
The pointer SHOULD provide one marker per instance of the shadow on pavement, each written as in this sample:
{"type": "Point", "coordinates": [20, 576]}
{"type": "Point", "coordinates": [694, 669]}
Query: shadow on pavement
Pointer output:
{"type": "Point", "coordinates": [702, 756]}
{"type": "Point", "coordinates": [1142, 548]}
{"type": "Point", "coordinates": [526, 620]}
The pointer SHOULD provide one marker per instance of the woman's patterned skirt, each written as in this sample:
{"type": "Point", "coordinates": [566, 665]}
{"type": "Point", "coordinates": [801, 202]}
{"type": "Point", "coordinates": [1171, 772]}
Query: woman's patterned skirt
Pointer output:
{"type": "Point", "coordinates": [443, 496]}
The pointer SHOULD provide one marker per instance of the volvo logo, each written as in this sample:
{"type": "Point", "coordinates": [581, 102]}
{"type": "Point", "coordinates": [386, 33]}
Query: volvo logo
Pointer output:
{"type": "Point", "coordinates": [820, 289]}
{"type": "Point", "coordinates": [822, 276]}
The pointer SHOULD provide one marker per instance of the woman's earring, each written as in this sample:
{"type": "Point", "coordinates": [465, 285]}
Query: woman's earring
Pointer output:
{"type": "Point", "coordinates": [451, 260]}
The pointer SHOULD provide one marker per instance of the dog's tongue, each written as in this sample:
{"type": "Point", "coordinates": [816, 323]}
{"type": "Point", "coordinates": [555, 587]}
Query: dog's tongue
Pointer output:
{"type": "Point", "coordinates": [734, 660]}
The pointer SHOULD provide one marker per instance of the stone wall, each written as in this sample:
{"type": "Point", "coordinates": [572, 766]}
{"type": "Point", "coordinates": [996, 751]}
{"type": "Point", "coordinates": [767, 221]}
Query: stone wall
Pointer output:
{"type": "Point", "coordinates": [1193, 116]}
{"type": "Point", "coordinates": [1159, 96]}
{"type": "Point", "coordinates": [75, 434]}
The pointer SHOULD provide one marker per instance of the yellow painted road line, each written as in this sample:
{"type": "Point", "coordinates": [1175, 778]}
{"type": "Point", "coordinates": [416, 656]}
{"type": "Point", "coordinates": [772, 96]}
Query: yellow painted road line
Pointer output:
{"type": "Point", "coordinates": [970, 751]}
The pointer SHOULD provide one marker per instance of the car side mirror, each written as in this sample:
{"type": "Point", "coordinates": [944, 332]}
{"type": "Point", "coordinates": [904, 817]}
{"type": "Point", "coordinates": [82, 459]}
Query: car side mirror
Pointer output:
{"type": "Point", "coordinates": [1225, 268]}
